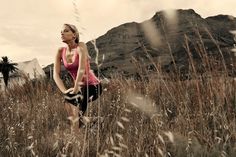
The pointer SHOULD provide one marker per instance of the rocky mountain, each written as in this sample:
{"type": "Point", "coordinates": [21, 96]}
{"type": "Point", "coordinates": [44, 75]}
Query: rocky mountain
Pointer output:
{"type": "Point", "coordinates": [170, 42]}
{"type": "Point", "coordinates": [133, 46]}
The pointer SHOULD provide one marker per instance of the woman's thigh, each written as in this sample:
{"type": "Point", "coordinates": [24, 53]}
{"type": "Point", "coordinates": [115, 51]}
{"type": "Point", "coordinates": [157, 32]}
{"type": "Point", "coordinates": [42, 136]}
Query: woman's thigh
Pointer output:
{"type": "Point", "coordinates": [90, 93]}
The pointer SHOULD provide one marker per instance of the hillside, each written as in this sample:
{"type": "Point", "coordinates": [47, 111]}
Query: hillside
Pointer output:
{"type": "Point", "coordinates": [126, 49]}
{"type": "Point", "coordinates": [125, 44]}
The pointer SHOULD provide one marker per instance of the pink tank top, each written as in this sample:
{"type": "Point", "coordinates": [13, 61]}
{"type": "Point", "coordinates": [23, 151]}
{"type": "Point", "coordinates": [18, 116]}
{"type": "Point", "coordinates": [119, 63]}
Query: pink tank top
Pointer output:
{"type": "Point", "coordinates": [91, 79]}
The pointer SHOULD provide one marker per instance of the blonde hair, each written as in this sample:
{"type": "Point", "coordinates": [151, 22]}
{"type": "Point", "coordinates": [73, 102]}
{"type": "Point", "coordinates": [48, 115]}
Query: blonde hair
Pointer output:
{"type": "Point", "coordinates": [74, 30]}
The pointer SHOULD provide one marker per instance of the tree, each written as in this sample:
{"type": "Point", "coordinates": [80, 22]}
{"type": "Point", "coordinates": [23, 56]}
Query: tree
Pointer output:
{"type": "Point", "coordinates": [6, 67]}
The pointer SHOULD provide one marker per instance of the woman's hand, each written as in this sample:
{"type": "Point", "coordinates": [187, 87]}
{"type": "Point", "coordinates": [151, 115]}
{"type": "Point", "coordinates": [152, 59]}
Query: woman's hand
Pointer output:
{"type": "Point", "coordinates": [76, 90]}
{"type": "Point", "coordinates": [68, 90]}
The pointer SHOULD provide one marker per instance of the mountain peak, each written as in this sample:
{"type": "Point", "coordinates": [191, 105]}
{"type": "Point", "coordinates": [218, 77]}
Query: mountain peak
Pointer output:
{"type": "Point", "coordinates": [123, 46]}
{"type": "Point", "coordinates": [179, 12]}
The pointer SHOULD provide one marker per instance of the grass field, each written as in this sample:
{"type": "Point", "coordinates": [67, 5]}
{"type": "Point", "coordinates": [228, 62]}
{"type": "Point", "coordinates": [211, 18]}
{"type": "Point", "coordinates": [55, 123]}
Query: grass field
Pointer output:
{"type": "Point", "coordinates": [151, 118]}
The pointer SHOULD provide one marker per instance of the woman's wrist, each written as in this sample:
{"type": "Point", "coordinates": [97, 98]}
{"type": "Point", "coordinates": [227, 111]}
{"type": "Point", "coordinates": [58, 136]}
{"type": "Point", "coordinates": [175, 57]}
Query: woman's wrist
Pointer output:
{"type": "Point", "coordinates": [76, 89]}
{"type": "Point", "coordinates": [67, 90]}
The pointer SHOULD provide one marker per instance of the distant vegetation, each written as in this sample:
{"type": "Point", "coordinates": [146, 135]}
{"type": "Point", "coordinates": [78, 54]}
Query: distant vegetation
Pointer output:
{"type": "Point", "coordinates": [6, 67]}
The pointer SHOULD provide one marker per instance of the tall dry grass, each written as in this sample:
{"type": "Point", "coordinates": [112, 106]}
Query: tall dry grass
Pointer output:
{"type": "Point", "coordinates": [160, 116]}
{"type": "Point", "coordinates": [184, 118]}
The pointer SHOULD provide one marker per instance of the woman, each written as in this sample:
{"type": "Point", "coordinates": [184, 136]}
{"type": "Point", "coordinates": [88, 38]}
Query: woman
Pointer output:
{"type": "Point", "coordinates": [75, 58]}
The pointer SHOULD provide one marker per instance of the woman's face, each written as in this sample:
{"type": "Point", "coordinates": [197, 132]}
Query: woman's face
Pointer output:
{"type": "Point", "coordinates": [67, 34]}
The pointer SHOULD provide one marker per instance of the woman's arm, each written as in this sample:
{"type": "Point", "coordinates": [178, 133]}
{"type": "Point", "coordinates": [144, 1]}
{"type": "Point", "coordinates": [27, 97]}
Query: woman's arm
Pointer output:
{"type": "Point", "coordinates": [83, 54]}
{"type": "Point", "coordinates": [56, 71]}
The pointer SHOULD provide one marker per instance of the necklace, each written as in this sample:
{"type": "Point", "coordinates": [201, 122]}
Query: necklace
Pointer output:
{"type": "Point", "coordinates": [70, 55]}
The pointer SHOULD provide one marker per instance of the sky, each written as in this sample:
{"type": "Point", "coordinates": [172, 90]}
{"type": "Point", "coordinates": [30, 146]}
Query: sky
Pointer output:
{"type": "Point", "coordinates": [31, 28]}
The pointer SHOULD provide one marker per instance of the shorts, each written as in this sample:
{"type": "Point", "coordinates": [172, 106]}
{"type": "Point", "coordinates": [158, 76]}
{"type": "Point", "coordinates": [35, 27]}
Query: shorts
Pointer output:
{"type": "Point", "coordinates": [88, 94]}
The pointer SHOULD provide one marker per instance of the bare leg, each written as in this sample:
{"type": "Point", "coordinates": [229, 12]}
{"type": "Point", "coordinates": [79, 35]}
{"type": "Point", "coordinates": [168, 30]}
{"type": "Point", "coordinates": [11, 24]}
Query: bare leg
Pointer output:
{"type": "Point", "coordinates": [72, 112]}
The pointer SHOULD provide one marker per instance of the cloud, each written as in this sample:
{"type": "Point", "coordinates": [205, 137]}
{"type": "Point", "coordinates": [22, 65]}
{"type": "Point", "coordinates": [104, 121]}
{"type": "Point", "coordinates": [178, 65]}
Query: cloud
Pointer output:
{"type": "Point", "coordinates": [26, 42]}
{"type": "Point", "coordinates": [13, 51]}
{"type": "Point", "coordinates": [17, 53]}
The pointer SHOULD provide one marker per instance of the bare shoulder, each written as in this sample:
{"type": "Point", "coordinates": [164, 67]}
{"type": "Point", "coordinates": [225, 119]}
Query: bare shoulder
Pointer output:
{"type": "Point", "coordinates": [59, 51]}
{"type": "Point", "coordinates": [82, 45]}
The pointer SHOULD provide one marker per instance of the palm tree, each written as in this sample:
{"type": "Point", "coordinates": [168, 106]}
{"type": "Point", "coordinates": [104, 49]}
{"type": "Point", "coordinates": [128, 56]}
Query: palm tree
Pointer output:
{"type": "Point", "coordinates": [6, 67]}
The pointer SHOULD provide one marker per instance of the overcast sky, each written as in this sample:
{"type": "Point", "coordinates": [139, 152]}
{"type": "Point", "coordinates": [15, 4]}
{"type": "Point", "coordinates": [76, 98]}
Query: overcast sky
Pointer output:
{"type": "Point", "coordinates": [31, 28]}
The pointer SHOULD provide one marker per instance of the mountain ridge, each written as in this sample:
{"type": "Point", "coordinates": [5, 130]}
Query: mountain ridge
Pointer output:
{"type": "Point", "coordinates": [121, 43]}
{"type": "Point", "coordinates": [123, 46]}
